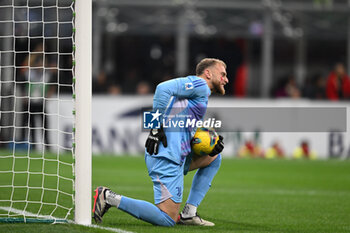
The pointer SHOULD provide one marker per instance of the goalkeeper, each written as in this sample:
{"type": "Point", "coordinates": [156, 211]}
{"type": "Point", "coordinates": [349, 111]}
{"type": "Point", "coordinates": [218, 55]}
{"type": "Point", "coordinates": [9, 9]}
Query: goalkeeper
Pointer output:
{"type": "Point", "coordinates": [168, 153]}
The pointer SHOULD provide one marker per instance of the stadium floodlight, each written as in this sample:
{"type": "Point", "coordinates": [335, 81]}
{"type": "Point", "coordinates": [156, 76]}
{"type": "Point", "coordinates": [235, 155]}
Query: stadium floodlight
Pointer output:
{"type": "Point", "coordinates": [45, 66]}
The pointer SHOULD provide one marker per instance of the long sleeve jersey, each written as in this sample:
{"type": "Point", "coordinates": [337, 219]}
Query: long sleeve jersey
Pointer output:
{"type": "Point", "coordinates": [181, 99]}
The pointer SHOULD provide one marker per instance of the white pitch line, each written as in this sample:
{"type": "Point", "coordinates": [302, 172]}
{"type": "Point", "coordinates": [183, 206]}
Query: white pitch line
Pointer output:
{"type": "Point", "coordinates": [290, 192]}
{"type": "Point", "coordinates": [110, 229]}
{"type": "Point", "coordinates": [30, 214]}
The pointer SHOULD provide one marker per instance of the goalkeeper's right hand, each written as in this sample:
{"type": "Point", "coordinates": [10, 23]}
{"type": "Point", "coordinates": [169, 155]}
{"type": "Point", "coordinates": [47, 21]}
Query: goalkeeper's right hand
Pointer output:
{"type": "Point", "coordinates": [218, 147]}
{"type": "Point", "coordinates": [155, 137]}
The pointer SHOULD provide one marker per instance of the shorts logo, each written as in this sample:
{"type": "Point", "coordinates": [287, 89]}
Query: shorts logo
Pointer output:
{"type": "Point", "coordinates": [188, 86]}
{"type": "Point", "coordinates": [179, 191]}
{"type": "Point", "coordinates": [151, 120]}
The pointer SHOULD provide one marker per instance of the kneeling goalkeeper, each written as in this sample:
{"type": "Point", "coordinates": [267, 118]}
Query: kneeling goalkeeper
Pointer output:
{"type": "Point", "coordinates": [168, 153]}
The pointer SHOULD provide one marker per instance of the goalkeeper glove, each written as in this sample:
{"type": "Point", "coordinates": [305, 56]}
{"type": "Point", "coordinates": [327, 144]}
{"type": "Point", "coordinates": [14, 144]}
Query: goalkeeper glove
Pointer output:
{"type": "Point", "coordinates": [155, 137]}
{"type": "Point", "coordinates": [218, 147]}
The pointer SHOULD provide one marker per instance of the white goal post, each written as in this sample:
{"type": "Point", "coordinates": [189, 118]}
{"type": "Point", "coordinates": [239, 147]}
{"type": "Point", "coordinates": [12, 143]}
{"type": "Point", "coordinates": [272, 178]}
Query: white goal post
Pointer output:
{"type": "Point", "coordinates": [45, 66]}
{"type": "Point", "coordinates": [83, 111]}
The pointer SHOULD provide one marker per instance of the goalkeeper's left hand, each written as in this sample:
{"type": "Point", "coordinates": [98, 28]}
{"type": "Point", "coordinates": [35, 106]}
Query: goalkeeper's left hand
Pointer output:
{"type": "Point", "coordinates": [218, 147]}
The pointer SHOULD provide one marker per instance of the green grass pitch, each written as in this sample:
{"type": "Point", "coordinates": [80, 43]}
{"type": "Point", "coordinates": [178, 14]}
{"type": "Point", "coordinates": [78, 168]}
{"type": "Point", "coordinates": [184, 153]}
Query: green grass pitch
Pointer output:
{"type": "Point", "coordinates": [246, 196]}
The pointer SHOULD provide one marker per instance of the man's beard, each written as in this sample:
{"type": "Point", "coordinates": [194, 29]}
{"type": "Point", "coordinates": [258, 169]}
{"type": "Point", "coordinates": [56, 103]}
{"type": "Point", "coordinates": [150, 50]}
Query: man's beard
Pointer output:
{"type": "Point", "coordinates": [219, 89]}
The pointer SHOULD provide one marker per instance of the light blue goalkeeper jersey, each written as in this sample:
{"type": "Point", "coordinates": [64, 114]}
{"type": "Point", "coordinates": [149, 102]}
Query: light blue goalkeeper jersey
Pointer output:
{"type": "Point", "coordinates": [180, 99]}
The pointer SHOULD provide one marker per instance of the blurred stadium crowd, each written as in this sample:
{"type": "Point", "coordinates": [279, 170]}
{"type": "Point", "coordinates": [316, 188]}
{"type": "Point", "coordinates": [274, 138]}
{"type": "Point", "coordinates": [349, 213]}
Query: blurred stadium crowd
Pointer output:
{"type": "Point", "coordinates": [273, 49]}
{"type": "Point", "coordinates": [145, 62]}
{"type": "Point", "coordinates": [140, 44]}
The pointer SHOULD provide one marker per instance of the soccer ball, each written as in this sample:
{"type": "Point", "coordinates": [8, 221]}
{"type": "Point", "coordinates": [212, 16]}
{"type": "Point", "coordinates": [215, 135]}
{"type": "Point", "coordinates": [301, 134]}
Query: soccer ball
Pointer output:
{"type": "Point", "coordinates": [204, 141]}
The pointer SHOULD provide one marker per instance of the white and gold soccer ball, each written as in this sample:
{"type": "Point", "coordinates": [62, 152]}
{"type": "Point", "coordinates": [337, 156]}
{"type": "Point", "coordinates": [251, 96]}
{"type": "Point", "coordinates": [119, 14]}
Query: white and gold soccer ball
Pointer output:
{"type": "Point", "coordinates": [204, 141]}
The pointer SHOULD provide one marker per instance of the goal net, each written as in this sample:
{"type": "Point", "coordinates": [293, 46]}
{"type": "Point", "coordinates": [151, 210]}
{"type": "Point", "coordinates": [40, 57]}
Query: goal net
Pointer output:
{"type": "Point", "coordinates": [37, 98]}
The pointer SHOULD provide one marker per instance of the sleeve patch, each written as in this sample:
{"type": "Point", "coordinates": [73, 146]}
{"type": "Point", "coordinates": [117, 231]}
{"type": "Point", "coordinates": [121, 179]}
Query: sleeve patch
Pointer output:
{"type": "Point", "coordinates": [188, 86]}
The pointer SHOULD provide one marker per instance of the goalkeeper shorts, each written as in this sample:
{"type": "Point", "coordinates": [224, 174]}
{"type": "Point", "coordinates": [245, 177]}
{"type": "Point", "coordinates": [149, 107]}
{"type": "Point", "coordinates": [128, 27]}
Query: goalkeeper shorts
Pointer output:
{"type": "Point", "coordinates": [167, 177]}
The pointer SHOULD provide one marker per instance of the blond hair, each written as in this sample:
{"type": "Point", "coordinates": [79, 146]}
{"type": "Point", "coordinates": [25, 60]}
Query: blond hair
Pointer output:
{"type": "Point", "coordinates": [207, 62]}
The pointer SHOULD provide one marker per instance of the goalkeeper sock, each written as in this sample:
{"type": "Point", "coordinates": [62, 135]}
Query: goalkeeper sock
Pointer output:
{"type": "Point", "coordinates": [145, 211]}
{"type": "Point", "coordinates": [202, 182]}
